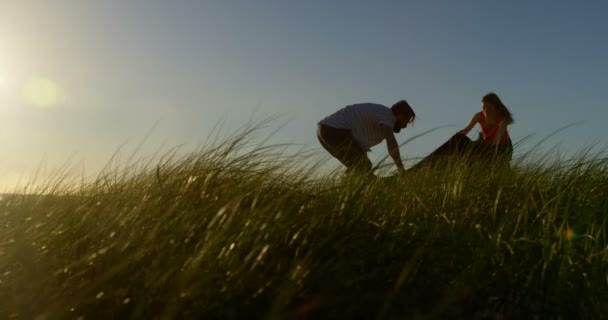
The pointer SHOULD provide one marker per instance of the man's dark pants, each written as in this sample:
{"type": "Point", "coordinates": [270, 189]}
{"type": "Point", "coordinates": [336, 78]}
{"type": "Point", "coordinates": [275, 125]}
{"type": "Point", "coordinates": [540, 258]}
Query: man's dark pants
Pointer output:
{"type": "Point", "coordinates": [340, 144]}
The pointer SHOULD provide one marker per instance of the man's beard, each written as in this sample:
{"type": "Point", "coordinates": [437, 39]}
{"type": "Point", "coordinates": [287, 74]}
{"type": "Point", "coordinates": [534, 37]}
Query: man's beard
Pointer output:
{"type": "Point", "coordinates": [396, 128]}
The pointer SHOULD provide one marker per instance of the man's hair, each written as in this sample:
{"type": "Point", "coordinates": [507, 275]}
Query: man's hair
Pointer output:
{"type": "Point", "coordinates": [402, 107]}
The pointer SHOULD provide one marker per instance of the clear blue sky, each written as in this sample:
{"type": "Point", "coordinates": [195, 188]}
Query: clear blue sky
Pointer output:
{"type": "Point", "coordinates": [78, 79]}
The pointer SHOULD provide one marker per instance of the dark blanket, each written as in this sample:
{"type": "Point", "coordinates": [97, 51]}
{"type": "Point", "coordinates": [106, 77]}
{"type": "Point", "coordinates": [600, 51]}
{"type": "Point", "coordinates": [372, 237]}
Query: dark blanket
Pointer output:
{"type": "Point", "coordinates": [459, 145]}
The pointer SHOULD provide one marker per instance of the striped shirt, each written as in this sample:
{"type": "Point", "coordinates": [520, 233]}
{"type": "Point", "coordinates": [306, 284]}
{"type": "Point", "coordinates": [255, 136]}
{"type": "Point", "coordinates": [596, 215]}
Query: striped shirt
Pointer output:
{"type": "Point", "coordinates": [363, 120]}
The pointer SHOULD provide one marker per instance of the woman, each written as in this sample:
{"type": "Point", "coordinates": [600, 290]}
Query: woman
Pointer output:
{"type": "Point", "coordinates": [493, 120]}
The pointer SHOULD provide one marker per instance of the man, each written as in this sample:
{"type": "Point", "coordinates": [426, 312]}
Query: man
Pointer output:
{"type": "Point", "coordinates": [349, 133]}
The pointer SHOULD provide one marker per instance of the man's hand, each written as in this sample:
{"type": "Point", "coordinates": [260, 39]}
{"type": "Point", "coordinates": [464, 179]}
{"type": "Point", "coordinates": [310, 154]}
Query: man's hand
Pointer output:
{"type": "Point", "coordinates": [393, 147]}
{"type": "Point", "coordinates": [402, 171]}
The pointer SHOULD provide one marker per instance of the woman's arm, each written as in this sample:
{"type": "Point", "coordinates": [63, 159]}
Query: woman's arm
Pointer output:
{"type": "Point", "coordinates": [470, 126]}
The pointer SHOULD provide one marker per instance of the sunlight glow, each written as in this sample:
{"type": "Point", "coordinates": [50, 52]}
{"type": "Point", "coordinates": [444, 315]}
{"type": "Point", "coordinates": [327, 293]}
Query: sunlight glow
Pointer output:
{"type": "Point", "coordinates": [4, 90]}
{"type": "Point", "coordinates": [43, 92]}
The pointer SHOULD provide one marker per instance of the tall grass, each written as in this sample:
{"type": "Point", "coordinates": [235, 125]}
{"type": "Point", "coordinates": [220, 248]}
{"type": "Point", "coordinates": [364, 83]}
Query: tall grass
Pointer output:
{"type": "Point", "coordinates": [239, 229]}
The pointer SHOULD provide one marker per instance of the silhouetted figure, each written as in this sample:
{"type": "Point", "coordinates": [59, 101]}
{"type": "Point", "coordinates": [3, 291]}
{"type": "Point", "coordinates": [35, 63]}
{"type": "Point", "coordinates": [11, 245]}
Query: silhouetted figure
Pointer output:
{"type": "Point", "coordinates": [493, 146]}
{"type": "Point", "coordinates": [494, 118]}
{"type": "Point", "coordinates": [349, 133]}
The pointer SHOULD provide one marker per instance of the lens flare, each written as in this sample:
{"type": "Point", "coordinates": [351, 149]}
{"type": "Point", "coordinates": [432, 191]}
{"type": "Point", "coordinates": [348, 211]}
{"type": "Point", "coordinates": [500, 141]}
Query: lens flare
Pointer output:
{"type": "Point", "coordinates": [43, 92]}
{"type": "Point", "coordinates": [570, 234]}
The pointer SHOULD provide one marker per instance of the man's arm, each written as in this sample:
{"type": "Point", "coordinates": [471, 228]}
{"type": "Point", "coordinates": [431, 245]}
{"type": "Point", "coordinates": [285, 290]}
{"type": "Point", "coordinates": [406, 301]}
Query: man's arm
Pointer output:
{"type": "Point", "coordinates": [393, 147]}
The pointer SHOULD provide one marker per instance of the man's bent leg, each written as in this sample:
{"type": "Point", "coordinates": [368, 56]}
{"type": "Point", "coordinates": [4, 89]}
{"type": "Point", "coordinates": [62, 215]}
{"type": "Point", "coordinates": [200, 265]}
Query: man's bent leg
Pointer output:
{"type": "Point", "coordinates": [340, 144]}
{"type": "Point", "coordinates": [357, 162]}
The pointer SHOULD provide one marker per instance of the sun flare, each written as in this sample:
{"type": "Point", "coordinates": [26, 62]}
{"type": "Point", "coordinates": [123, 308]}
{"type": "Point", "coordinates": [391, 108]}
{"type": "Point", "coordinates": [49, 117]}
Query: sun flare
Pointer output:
{"type": "Point", "coordinates": [43, 92]}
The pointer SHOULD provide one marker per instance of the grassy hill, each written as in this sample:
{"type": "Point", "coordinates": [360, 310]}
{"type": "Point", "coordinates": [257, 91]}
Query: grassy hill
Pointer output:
{"type": "Point", "coordinates": [224, 233]}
